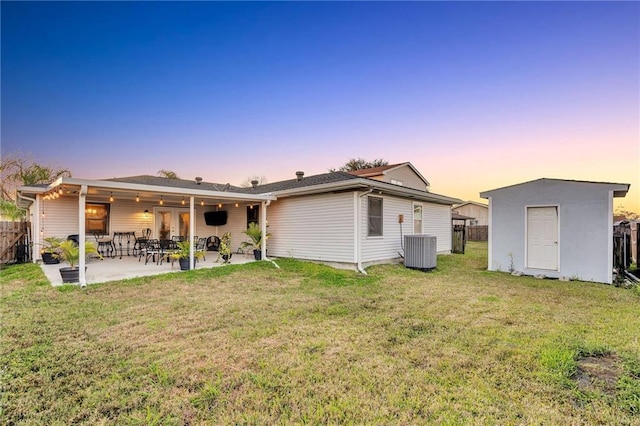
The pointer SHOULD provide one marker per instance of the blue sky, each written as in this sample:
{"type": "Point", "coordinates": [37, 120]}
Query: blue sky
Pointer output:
{"type": "Point", "coordinates": [476, 95]}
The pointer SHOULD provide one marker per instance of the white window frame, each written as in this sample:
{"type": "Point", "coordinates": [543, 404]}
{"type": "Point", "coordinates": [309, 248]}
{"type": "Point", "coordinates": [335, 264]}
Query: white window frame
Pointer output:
{"type": "Point", "coordinates": [369, 217]}
{"type": "Point", "coordinates": [415, 218]}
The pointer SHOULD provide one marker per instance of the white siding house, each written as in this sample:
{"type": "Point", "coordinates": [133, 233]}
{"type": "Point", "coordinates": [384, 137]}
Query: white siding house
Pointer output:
{"type": "Point", "coordinates": [552, 227]}
{"type": "Point", "coordinates": [346, 219]}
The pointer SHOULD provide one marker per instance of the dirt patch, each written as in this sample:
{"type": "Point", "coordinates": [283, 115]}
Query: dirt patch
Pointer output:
{"type": "Point", "coordinates": [599, 373]}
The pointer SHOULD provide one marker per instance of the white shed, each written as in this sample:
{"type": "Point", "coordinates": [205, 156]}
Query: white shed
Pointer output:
{"type": "Point", "coordinates": [557, 228]}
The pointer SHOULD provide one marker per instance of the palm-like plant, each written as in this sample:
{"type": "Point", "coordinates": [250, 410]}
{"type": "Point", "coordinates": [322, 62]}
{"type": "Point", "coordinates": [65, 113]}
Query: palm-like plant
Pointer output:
{"type": "Point", "coordinates": [69, 252]}
{"type": "Point", "coordinates": [254, 232]}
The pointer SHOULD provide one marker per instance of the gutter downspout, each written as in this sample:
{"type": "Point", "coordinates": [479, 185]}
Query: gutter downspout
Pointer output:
{"type": "Point", "coordinates": [82, 199]}
{"type": "Point", "coordinates": [358, 229]}
{"type": "Point", "coordinates": [35, 225]}
{"type": "Point", "coordinates": [263, 226]}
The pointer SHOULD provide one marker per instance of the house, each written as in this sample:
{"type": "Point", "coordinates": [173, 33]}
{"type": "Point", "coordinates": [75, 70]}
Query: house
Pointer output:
{"type": "Point", "coordinates": [341, 218]}
{"type": "Point", "coordinates": [477, 211]}
{"type": "Point", "coordinates": [553, 227]}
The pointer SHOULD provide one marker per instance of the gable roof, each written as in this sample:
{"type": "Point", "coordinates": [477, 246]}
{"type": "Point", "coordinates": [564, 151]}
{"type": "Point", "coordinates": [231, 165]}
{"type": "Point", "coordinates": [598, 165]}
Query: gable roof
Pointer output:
{"type": "Point", "coordinates": [619, 189]}
{"type": "Point", "coordinates": [382, 170]}
{"type": "Point", "coordinates": [316, 184]}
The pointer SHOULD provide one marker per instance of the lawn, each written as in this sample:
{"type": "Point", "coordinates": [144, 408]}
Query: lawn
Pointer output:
{"type": "Point", "coordinates": [307, 344]}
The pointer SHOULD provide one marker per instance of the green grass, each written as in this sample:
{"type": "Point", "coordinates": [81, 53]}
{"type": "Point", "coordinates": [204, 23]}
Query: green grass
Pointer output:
{"type": "Point", "coordinates": [307, 344]}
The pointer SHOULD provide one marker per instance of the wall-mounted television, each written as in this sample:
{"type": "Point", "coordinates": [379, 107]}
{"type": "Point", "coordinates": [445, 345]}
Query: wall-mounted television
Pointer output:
{"type": "Point", "coordinates": [215, 218]}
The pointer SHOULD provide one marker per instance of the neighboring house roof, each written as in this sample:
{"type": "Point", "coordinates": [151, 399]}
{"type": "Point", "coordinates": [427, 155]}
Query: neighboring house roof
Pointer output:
{"type": "Point", "coordinates": [470, 202]}
{"type": "Point", "coordinates": [458, 216]}
{"type": "Point", "coordinates": [381, 170]}
{"type": "Point", "coordinates": [619, 189]}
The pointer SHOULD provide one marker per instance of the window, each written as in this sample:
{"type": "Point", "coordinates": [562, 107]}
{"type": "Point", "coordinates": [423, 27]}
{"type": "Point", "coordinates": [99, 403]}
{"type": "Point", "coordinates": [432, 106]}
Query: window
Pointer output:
{"type": "Point", "coordinates": [417, 218]}
{"type": "Point", "coordinates": [253, 214]}
{"type": "Point", "coordinates": [374, 213]}
{"type": "Point", "coordinates": [396, 182]}
{"type": "Point", "coordinates": [96, 218]}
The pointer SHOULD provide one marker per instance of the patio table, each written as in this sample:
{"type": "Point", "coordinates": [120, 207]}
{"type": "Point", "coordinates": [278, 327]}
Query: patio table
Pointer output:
{"type": "Point", "coordinates": [122, 239]}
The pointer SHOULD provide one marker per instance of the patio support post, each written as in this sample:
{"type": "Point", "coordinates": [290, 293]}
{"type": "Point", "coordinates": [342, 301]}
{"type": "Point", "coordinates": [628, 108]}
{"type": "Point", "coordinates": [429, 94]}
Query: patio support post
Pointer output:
{"type": "Point", "coordinates": [263, 225]}
{"type": "Point", "coordinates": [82, 200]}
{"type": "Point", "coordinates": [192, 224]}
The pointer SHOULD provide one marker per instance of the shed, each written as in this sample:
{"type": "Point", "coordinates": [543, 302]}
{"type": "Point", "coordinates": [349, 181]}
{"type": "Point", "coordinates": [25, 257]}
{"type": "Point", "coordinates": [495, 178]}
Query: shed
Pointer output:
{"type": "Point", "coordinates": [553, 227]}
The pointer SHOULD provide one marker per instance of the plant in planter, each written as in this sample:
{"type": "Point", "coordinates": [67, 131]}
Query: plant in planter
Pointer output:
{"type": "Point", "coordinates": [254, 232]}
{"type": "Point", "coordinates": [224, 250]}
{"type": "Point", "coordinates": [49, 250]}
{"type": "Point", "coordinates": [69, 252]}
{"type": "Point", "coordinates": [182, 254]}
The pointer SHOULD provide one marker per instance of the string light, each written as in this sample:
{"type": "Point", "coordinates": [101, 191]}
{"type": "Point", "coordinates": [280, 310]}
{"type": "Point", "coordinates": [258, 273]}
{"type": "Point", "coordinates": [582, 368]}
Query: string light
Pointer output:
{"type": "Point", "coordinates": [236, 204]}
{"type": "Point", "coordinates": [161, 200]}
{"type": "Point", "coordinates": [219, 205]}
{"type": "Point", "coordinates": [111, 197]}
{"type": "Point", "coordinates": [201, 202]}
{"type": "Point", "coordinates": [137, 198]}
{"type": "Point", "coordinates": [183, 201]}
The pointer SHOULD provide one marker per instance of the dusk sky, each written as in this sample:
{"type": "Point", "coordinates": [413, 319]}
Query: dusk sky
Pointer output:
{"type": "Point", "coordinates": [476, 95]}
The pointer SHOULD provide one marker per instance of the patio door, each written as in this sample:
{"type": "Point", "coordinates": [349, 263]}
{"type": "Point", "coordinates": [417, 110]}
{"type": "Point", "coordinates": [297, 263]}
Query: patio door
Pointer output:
{"type": "Point", "coordinates": [170, 222]}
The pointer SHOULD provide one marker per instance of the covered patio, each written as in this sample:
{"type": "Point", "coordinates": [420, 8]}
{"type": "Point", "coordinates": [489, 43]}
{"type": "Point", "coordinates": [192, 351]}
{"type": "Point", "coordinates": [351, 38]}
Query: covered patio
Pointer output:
{"type": "Point", "coordinates": [113, 269]}
{"type": "Point", "coordinates": [166, 207]}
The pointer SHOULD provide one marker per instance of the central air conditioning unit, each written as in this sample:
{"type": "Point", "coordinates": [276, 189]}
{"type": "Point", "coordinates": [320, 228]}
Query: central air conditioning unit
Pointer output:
{"type": "Point", "coordinates": [420, 252]}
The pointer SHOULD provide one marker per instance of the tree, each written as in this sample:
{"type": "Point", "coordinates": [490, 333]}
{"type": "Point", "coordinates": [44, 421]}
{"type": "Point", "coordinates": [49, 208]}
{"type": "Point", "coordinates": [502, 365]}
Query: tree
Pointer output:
{"type": "Point", "coordinates": [17, 170]}
{"type": "Point", "coordinates": [629, 215]}
{"type": "Point", "coordinates": [354, 164]}
{"type": "Point", "coordinates": [169, 174]}
{"type": "Point", "coordinates": [247, 182]}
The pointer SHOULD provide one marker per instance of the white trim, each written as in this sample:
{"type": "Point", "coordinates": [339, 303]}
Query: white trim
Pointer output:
{"type": "Point", "coordinates": [137, 187]}
{"type": "Point", "coordinates": [609, 225]}
{"type": "Point", "coordinates": [526, 236]}
{"type": "Point", "coordinates": [82, 203]}
{"type": "Point", "coordinates": [490, 235]}
{"type": "Point", "coordinates": [192, 227]}
{"type": "Point", "coordinates": [413, 217]}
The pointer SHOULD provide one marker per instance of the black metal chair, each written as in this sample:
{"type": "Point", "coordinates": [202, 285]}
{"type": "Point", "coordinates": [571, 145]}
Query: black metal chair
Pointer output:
{"type": "Point", "coordinates": [105, 244]}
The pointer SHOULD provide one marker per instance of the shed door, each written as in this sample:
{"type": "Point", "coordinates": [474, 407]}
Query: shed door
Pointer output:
{"type": "Point", "coordinates": [542, 238]}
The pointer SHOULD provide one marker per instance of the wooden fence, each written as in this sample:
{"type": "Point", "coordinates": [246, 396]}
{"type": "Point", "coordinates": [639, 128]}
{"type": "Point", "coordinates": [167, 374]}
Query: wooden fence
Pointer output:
{"type": "Point", "coordinates": [15, 242]}
{"type": "Point", "coordinates": [458, 238]}
{"type": "Point", "coordinates": [478, 233]}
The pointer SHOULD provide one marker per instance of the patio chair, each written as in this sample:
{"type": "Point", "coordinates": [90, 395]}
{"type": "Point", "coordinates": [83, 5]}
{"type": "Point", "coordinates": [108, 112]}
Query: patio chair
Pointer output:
{"type": "Point", "coordinates": [105, 244]}
{"type": "Point", "coordinates": [201, 246]}
{"type": "Point", "coordinates": [150, 249]}
{"type": "Point", "coordinates": [146, 233]}
{"type": "Point", "coordinates": [167, 247]}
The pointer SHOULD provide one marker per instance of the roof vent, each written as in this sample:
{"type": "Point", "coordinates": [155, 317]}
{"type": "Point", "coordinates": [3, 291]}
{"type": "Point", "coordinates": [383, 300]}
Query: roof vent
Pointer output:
{"type": "Point", "coordinates": [254, 183]}
{"type": "Point", "coordinates": [299, 175]}
{"type": "Point", "coordinates": [198, 180]}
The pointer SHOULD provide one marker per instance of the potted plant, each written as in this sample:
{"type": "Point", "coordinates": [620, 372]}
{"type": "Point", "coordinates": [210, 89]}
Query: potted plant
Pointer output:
{"type": "Point", "coordinates": [254, 232]}
{"type": "Point", "coordinates": [49, 250]}
{"type": "Point", "coordinates": [224, 250]}
{"type": "Point", "coordinates": [182, 254]}
{"type": "Point", "coordinates": [69, 252]}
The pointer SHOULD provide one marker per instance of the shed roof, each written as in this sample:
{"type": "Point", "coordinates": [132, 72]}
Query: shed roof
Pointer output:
{"type": "Point", "coordinates": [619, 189]}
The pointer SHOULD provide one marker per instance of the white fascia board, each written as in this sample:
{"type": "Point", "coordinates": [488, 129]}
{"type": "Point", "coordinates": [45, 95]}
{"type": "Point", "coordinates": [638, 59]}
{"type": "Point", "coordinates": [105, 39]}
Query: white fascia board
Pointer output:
{"type": "Point", "coordinates": [102, 184]}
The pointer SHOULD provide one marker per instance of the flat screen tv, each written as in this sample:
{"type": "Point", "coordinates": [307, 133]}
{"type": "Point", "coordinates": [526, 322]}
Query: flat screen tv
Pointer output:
{"type": "Point", "coordinates": [215, 218]}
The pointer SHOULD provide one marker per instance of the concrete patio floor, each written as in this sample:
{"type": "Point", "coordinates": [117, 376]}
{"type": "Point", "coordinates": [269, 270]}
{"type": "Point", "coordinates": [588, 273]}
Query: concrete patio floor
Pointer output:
{"type": "Point", "coordinates": [112, 269]}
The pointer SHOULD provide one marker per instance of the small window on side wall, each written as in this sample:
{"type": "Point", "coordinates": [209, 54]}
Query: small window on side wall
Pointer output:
{"type": "Point", "coordinates": [374, 216]}
{"type": "Point", "coordinates": [96, 218]}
